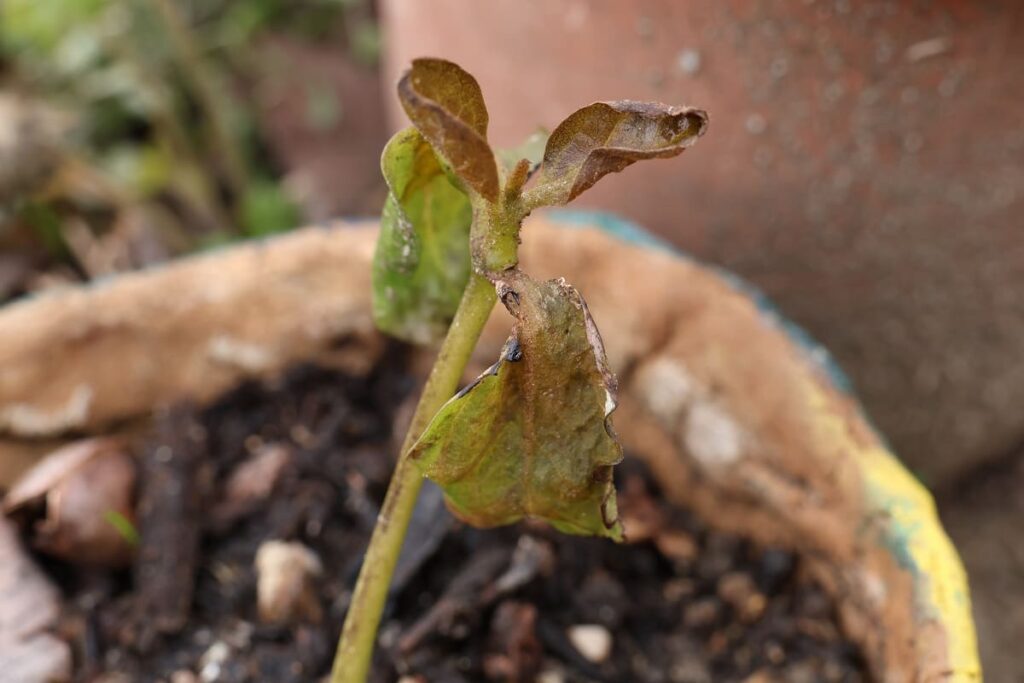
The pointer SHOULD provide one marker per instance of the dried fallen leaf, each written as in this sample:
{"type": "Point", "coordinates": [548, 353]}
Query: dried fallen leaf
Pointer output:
{"type": "Point", "coordinates": [531, 437]}
{"type": "Point", "coordinates": [606, 137]}
{"type": "Point", "coordinates": [250, 484]}
{"type": "Point", "coordinates": [85, 492]}
{"type": "Point", "coordinates": [28, 610]}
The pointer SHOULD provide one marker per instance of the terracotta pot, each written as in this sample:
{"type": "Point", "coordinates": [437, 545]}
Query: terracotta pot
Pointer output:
{"type": "Point", "coordinates": [862, 166]}
{"type": "Point", "coordinates": [740, 417]}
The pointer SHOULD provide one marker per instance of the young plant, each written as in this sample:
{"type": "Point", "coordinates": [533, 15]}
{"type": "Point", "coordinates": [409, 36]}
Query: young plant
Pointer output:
{"type": "Point", "coordinates": [530, 437]}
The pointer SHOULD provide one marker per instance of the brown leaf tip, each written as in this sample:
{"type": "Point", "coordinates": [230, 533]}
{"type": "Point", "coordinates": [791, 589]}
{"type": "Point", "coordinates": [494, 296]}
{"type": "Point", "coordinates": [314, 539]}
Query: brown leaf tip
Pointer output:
{"type": "Point", "coordinates": [611, 383]}
{"type": "Point", "coordinates": [668, 127]}
{"type": "Point", "coordinates": [445, 103]}
{"type": "Point", "coordinates": [609, 504]}
{"type": "Point", "coordinates": [675, 122]}
{"type": "Point", "coordinates": [507, 294]}
{"type": "Point", "coordinates": [451, 87]}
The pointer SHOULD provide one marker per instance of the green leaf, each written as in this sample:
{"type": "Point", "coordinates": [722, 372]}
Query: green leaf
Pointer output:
{"type": "Point", "coordinates": [445, 103]}
{"type": "Point", "coordinates": [606, 137]}
{"type": "Point", "coordinates": [531, 437]}
{"type": "Point", "coordinates": [123, 526]}
{"type": "Point", "coordinates": [422, 263]}
{"type": "Point", "coordinates": [266, 210]}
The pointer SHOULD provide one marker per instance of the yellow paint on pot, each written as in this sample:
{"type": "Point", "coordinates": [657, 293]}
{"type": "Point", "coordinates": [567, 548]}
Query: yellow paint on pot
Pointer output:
{"type": "Point", "coordinates": [914, 536]}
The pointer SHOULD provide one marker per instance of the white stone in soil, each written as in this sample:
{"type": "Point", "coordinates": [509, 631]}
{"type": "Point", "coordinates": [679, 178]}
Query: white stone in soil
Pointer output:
{"type": "Point", "coordinates": [593, 641]}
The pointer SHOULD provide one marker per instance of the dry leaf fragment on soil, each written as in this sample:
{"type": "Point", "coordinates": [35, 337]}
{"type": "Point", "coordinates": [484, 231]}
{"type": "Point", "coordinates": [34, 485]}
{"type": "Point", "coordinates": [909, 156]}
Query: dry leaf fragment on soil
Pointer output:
{"type": "Point", "coordinates": [531, 437]}
{"type": "Point", "coordinates": [250, 484]}
{"type": "Point", "coordinates": [80, 500]}
{"type": "Point", "coordinates": [28, 609]}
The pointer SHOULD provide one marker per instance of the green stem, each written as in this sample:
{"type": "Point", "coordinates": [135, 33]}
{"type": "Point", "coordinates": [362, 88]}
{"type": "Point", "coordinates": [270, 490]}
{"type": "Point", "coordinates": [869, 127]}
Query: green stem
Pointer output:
{"type": "Point", "coordinates": [494, 237]}
{"type": "Point", "coordinates": [355, 648]}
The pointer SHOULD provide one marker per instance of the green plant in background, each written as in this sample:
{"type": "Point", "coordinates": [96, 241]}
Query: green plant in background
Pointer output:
{"type": "Point", "coordinates": [153, 89]}
{"type": "Point", "coordinates": [530, 437]}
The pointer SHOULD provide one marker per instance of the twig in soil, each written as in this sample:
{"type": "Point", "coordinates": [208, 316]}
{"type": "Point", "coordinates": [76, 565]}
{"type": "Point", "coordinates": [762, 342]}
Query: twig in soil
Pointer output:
{"type": "Point", "coordinates": [175, 478]}
{"type": "Point", "coordinates": [466, 592]}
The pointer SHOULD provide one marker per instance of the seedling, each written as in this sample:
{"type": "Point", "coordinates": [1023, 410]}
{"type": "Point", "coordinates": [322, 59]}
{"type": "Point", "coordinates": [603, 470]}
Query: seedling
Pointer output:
{"type": "Point", "coordinates": [532, 436]}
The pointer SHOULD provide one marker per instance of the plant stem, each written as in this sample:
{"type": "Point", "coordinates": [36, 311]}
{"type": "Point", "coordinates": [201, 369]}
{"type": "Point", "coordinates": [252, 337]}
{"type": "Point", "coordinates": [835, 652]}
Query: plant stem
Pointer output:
{"type": "Point", "coordinates": [355, 648]}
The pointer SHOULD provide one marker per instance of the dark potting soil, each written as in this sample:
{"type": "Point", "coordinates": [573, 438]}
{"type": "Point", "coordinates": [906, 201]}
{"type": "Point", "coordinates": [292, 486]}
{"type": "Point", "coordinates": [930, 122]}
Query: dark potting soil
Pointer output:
{"type": "Point", "coordinates": [307, 460]}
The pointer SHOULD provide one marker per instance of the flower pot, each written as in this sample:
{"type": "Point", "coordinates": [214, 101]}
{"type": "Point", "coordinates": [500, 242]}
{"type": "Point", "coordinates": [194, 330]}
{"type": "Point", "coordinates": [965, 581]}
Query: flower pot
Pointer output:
{"type": "Point", "coordinates": [738, 414]}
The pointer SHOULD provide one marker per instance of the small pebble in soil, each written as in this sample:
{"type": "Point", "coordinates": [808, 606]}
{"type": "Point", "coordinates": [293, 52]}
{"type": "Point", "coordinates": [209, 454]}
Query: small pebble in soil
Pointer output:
{"type": "Point", "coordinates": [592, 640]}
{"type": "Point", "coordinates": [286, 575]}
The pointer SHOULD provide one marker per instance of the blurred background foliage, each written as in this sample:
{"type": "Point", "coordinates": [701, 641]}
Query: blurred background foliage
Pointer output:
{"type": "Point", "coordinates": [136, 131]}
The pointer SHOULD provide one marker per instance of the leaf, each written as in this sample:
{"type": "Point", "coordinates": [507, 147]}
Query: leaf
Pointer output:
{"type": "Point", "coordinates": [265, 209]}
{"type": "Point", "coordinates": [68, 498]}
{"type": "Point", "coordinates": [606, 137]}
{"type": "Point", "coordinates": [421, 264]}
{"type": "Point", "coordinates": [531, 437]}
{"type": "Point", "coordinates": [445, 103]}
{"type": "Point", "coordinates": [30, 609]}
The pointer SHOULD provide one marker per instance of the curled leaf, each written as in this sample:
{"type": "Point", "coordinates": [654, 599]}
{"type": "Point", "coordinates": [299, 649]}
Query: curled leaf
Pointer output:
{"type": "Point", "coordinates": [445, 103]}
{"type": "Point", "coordinates": [606, 137]}
{"type": "Point", "coordinates": [422, 261]}
{"type": "Point", "coordinates": [531, 437]}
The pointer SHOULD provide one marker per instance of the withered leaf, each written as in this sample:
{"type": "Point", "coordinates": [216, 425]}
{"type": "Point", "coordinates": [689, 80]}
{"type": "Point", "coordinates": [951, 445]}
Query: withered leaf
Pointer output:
{"type": "Point", "coordinates": [531, 437]}
{"type": "Point", "coordinates": [30, 609]}
{"type": "Point", "coordinates": [422, 260]}
{"type": "Point", "coordinates": [606, 137]}
{"type": "Point", "coordinates": [445, 103]}
{"type": "Point", "coordinates": [86, 493]}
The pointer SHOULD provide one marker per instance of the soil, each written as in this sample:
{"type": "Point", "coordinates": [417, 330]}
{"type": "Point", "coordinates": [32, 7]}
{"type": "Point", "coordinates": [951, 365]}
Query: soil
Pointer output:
{"type": "Point", "coordinates": [306, 459]}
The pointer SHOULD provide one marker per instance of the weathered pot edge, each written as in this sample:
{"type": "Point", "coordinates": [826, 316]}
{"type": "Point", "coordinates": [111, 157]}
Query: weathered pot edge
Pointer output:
{"type": "Point", "coordinates": [913, 535]}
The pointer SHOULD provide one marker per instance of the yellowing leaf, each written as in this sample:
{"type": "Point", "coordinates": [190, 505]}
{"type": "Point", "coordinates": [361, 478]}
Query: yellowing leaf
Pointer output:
{"type": "Point", "coordinates": [445, 103]}
{"type": "Point", "coordinates": [421, 264]}
{"type": "Point", "coordinates": [531, 437]}
{"type": "Point", "coordinates": [606, 137]}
